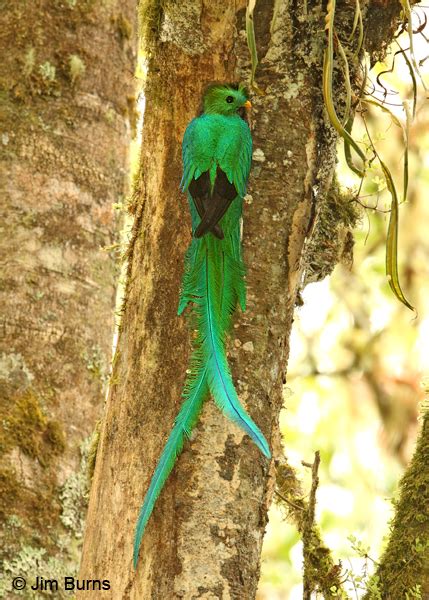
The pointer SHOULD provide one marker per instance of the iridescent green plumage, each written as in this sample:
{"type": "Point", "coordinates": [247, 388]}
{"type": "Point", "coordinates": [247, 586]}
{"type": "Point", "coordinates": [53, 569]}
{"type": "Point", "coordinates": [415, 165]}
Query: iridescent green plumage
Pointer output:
{"type": "Point", "coordinates": [217, 152]}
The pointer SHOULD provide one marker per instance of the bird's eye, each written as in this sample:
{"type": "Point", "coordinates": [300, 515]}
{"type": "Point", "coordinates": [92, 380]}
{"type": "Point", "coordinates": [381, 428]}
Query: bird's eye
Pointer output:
{"type": "Point", "coordinates": [229, 99]}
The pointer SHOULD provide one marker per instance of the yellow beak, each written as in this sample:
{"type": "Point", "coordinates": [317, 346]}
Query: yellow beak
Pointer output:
{"type": "Point", "coordinates": [247, 104]}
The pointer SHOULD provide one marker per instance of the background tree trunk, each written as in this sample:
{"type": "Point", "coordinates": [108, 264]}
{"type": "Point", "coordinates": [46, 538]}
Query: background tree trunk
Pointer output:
{"type": "Point", "coordinates": [205, 536]}
{"type": "Point", "coordinates": [405, 562]}
{"type": "Point", "coordinates": [66, 83]}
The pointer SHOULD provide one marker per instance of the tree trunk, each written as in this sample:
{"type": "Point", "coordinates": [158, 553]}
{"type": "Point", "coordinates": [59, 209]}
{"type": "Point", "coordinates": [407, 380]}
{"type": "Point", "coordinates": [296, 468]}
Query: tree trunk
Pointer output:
{"type": "Point", "coordinates": [404, 565]}
{"type": "Point", "coordinates": [205, 535]}
{"type": "Point", "coordinates": [66, 82]}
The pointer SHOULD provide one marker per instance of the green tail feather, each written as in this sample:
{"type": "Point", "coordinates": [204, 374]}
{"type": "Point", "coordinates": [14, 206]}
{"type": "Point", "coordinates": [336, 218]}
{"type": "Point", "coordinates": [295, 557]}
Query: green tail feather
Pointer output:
{"type": "Point", "coordinates": [195, 393]}
{"type": "Point", "coordinates": [213, 283]}
{"type": "Point", "coordinates": [213, 325]}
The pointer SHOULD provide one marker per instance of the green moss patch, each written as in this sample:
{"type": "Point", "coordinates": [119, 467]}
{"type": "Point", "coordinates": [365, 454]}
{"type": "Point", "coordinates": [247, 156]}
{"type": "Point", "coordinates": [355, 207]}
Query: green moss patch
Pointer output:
{"type": "Point", "coordinates": [23, 424]}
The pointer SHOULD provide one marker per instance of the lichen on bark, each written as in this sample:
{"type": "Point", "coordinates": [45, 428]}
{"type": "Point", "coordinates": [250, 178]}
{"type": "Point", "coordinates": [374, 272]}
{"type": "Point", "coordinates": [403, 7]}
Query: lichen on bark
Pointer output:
{"type": "Point", "coordinates": [63, 164]}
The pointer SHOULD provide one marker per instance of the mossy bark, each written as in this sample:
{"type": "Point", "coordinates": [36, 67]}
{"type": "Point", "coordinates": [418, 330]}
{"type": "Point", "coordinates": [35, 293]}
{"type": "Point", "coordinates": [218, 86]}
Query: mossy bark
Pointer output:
{"type": "Point", "coordinates": [404, 566]}
{"type": "Point", "coordinates": [205, 535]}
{"type": "Point", "coordinates": [65, 84]}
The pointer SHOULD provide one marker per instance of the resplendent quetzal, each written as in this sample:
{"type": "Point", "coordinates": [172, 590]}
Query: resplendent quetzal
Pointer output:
{"type": "Point", "coordinates": [217, 154]}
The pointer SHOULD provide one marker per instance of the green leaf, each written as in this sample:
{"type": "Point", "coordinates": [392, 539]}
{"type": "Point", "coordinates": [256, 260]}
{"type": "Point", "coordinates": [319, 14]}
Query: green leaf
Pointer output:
{"type": "Point", "coordinates": [392, 240]}
{"type": "Point", "coordinates": [407, 11]}
{"type": "Point", "coordinates": [405, 135]}
{"type": "Point", "coordinates": [328, 61]}
{"type": "Point", "coordinates": [357, 21]}
{"type": "Point", "coordinates": [412, 75]}
{"type": "Point", "coordinates": [251, 43]}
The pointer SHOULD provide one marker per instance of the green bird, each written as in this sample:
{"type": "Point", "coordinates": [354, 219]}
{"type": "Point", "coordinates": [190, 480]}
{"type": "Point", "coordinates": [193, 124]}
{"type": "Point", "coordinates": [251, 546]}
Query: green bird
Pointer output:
{"type": "Point", "coordinates": [217, 154]}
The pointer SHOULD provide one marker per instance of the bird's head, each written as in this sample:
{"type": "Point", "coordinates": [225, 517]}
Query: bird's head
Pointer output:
{"type": "Point", "coordinates": [225, 99]}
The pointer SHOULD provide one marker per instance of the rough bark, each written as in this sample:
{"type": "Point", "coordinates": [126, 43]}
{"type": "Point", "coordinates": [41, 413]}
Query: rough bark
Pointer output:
{"type": "Point", "coordinates": [205, 535]}
{"type": "Point", "coordinates": [66, 82]}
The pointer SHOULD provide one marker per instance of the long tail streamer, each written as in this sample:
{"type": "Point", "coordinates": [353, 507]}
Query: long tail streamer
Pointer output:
{"type": "Point", "coordinates": [213, 284]}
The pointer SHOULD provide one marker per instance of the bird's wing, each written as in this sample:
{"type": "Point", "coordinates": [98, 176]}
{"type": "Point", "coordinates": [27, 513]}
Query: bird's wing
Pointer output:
{"type": "Point", "coordinates": [195, 156]}
{"type": "Point", "coordinates": [236, 157]}
{"type": "Point", "coordinates": [230, 150]}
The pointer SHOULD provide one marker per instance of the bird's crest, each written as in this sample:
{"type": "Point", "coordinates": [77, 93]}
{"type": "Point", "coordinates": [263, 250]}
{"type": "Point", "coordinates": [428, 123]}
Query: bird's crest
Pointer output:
{"type": "Point", "coordinates": [224, 98]}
